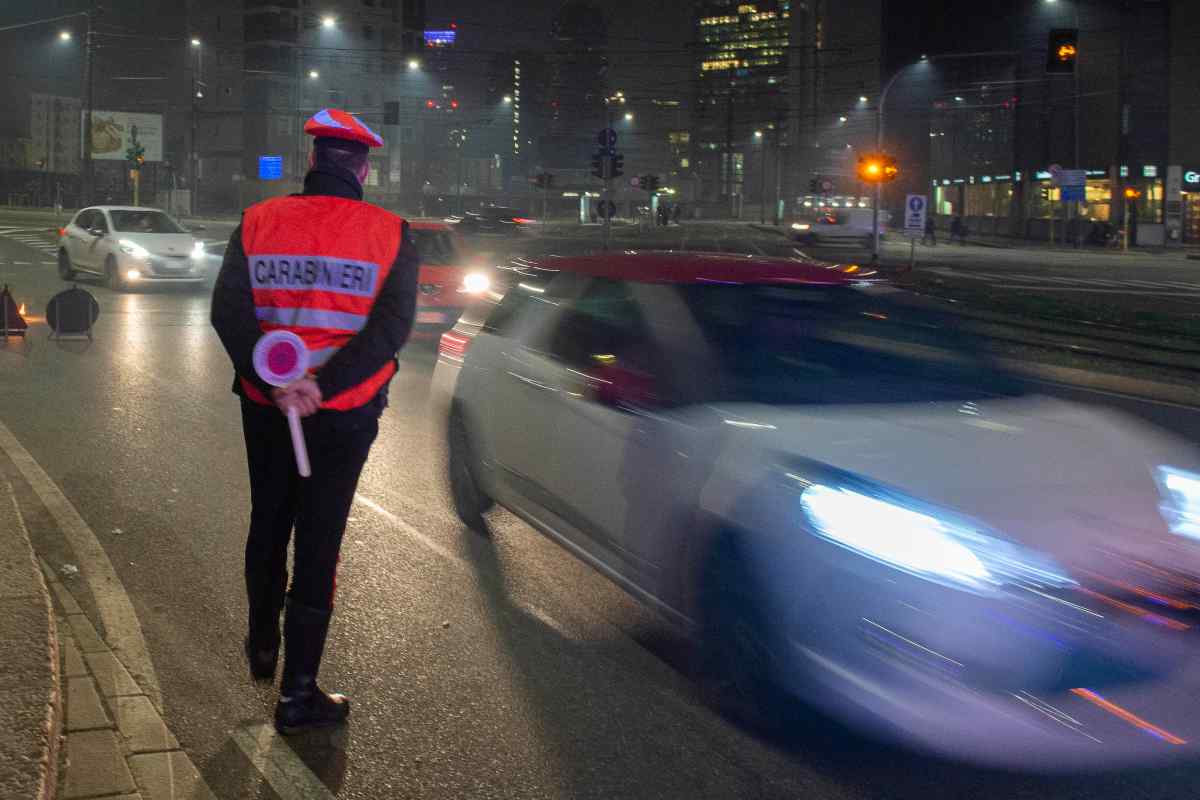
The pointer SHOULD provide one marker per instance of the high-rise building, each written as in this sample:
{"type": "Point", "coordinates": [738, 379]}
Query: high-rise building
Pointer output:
{"type": "Point", "coordinates": [781, 94]}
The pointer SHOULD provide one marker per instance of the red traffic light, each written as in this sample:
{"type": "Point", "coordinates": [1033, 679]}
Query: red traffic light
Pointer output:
{"type": "Point", "coordinates": [454, 104]}
{"type": "Point", "coordinates": [430, 104]}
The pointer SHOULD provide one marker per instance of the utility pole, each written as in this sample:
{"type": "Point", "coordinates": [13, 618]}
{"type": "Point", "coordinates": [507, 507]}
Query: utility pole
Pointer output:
{"type": "Point", "coordinates": [89, 171]}
{"type": "Point", "coordinates": [729, 152]}
{"type": "Point", "coordinates": [608, 170]}
{"type": "Point", "coordinates": [762, 180]}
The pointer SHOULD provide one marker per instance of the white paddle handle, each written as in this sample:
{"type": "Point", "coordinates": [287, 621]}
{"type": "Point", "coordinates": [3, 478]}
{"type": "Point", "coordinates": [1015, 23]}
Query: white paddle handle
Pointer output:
{"type": "Point", "coordinates": [298, 445]}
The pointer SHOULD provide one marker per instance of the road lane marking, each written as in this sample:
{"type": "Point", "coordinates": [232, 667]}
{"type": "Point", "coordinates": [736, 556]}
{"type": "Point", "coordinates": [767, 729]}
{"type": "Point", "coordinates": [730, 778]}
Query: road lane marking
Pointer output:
{"type": "Point", "coordinates": [122, 630]}
{"type": "Point", "coordinates": [275, 760]}
{"type": "Point", "coordinates": [410, 530]}
{"type": "Point", "coordinates": [537, 613]}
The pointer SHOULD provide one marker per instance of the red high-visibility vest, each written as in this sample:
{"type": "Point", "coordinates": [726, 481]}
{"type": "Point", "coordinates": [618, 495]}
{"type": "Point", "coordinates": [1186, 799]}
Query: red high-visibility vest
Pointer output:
{"type": "Point", "coordinates": [317, 264]}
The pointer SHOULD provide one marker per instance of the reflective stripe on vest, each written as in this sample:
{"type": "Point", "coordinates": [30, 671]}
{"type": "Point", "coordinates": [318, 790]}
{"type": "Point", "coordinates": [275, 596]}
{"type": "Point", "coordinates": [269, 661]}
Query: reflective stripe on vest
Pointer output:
{"type": "Point", "coordinates": [317, 264]}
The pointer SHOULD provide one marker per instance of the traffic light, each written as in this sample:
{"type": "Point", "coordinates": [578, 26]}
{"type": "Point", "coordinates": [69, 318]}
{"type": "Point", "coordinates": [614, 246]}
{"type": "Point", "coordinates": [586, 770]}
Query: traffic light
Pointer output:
{"type": "Point", "coordinates": [650, 183]}
{"type": "Point", "coordinates": [877, 168]}
{"type": "Point", "coordinates": [812, 186]}
{"type": "Point", "coordinates": [598, 166]}
{"type": "Point", "coordinates": [391, 112]}
{"type": "Point", "coordinates": [1062, 49]}
{"type": "Point", "coordinates": [1132, 193]}
{"type": "Point", "coordinates": [618, 165]}
{"type": "Point", "coordinates": [1045, 190]}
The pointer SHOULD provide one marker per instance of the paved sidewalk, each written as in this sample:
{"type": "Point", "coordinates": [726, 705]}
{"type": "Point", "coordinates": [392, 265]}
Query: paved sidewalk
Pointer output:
{"type": "Point", "coordinates": [29, 676]}
{"type": "Point", "coordinates": [117, 745]}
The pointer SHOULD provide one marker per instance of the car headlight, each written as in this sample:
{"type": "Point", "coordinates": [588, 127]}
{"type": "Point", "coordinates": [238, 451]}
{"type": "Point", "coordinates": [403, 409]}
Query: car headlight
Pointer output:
{"type": "Point", "coordinates": [198, 249]}
{"type": "Point", "coordinates": [801, 226]}
{"type": "Point", "coordinates": [1180, 506]}
{"type": "Point", "coordinates": [133, 248]}
{"type": "Point", "coordinates": [929, 543]}
{"type": "Point", "coordinates": [476, 283]}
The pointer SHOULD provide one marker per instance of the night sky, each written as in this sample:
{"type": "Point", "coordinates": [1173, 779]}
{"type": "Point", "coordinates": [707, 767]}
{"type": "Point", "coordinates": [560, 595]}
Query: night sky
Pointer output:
{"type": "Point", "coordinates": [647, 39]}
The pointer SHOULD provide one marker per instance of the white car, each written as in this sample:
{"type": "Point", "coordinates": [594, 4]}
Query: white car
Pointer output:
{"type": "Point", "coordinates": [843, 501]}
{"type": "Point", "coordinates": [129, 246]}
{"type": "Point", "coordinates": [845, 225]}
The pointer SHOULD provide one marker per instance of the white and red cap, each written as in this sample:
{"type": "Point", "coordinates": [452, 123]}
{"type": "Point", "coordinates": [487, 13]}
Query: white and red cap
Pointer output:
{"type": "Point", "coordinates": [332, 123]}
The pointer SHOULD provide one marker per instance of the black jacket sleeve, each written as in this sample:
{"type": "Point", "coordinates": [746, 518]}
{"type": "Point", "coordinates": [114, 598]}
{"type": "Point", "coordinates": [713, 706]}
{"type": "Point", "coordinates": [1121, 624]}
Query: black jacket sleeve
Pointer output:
{"type": "Point", "coordinates": [387, 328]}
{"type": "Point", "coordinates": [233, 312]}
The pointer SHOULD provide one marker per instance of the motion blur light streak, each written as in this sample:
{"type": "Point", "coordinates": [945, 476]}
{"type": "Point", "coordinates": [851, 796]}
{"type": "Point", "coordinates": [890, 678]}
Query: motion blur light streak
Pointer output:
{"type": "Point", "coordinates": [1181, 501]}
{"type": "Point", "coordinates": [1128, 716]}
{"type": "Point", "coordinates": [1161, 599]}
{"type": "Point", "coordinates": [1054, 713]}
{"type": "Point", "coordinates": [1148, 616]}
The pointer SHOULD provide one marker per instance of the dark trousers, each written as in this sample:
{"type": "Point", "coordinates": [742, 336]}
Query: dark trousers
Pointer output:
{"type": "Point", "coordinates": [316, 507]}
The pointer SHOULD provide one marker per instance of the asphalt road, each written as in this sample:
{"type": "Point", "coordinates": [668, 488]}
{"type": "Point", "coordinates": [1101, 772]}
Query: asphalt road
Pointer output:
{"type": "Point", "coordinates": [478, 668]}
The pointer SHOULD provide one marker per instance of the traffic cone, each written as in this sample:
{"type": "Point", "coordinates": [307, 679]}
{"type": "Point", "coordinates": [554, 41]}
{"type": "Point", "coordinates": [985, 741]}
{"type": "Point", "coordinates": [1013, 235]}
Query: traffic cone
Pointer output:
{"type": "Point", "coordinates": [11, 321]}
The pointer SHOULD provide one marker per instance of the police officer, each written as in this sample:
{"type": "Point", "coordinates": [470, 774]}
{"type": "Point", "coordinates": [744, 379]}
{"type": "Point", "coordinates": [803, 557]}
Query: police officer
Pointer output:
{"type": "Point", "coordinates": [341, 274]}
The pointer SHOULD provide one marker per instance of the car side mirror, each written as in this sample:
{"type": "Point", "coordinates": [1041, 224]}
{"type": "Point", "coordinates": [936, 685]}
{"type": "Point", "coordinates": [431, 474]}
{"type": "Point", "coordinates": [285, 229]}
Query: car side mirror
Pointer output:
{"type": "Point", "coordinates": [96, 232]}
{"type": "Point", "coordinates": [621, 387]}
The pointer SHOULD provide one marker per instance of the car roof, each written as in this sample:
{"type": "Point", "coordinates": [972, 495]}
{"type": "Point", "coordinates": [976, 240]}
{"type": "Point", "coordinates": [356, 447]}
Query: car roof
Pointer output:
{"type": "Point", "coordinates": [697, 268]}
{"type": "Point", "coordinates": [429, 225]}
{"type": "Point", "coordinates": [122, 208]}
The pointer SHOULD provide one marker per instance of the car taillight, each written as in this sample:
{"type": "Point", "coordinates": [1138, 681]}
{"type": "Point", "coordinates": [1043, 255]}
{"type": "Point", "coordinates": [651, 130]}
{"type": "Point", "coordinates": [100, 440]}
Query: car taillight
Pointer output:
{"type": "Point", "coordinates": [453, 345]}
{"type": "Point", "coordinates": [522, 220]}
{"type": "Point", "coordinates": [62, 231]}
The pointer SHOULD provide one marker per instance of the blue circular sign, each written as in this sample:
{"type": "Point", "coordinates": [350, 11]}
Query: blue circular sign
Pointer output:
{"type": "Point", "coordinates": [916, 204]}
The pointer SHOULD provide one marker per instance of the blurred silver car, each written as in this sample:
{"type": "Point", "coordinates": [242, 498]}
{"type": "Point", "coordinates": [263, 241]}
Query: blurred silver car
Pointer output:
{"type": "Point", "coordinates": [129, 246]}
{"type": "Point", "coordinates": [844, 502]}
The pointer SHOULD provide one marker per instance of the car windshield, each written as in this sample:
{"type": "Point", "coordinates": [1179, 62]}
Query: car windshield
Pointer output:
{"type": "Point", "coordinates": [815, 345]}
{"type": "Point", "coordinates": [436, 247]}
{"type": "Point", "coordinates": [131, 221]}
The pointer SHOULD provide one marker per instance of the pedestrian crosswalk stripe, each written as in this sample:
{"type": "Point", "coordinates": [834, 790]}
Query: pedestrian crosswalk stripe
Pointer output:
{"type": "Point", "coordinates": [1079, 283]}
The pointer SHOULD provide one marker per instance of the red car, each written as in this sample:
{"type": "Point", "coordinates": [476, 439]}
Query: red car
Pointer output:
{"type": "Point", "coordinates": [450, 276]}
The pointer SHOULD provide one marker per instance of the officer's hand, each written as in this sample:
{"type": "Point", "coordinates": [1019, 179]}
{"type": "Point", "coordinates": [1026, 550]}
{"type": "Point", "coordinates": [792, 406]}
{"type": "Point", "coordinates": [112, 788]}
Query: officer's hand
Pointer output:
{"type": "Point", "coordinates": [304, 395]}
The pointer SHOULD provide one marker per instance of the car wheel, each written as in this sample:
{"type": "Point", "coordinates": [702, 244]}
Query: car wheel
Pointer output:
{"type": "Point", "coordinates": [738, 647]}
{"type": "Point", "coordinates": [66, 270]}
{"type": "Point", "coordinates": [470, 501]}
{"type": "Point", "coordinates": [113, 275]}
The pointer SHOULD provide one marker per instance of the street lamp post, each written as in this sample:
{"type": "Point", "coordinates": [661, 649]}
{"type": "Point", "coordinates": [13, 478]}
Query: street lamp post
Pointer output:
{"type": "Point", "coordinates": [879, 118]}
{"type": "Point", "coordinates": [762, 181]}
{"type": "Point", "coordinates": [193, 156]}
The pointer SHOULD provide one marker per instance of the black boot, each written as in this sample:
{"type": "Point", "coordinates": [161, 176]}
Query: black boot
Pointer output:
{"type": "Point", "coordinates": [265, 601]}
{"type": "Point", "coordinates": [302, 704]}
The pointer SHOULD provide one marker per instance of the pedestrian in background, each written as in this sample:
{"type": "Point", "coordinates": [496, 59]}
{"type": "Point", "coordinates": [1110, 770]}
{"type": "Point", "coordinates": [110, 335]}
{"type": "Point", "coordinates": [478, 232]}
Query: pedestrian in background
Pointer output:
{"type": "Point", "coordinates": [930, 235]}
{"type": "Point", "coordinates": [341, 274]}
{"type": "Point", "coordinates": [958, 231]}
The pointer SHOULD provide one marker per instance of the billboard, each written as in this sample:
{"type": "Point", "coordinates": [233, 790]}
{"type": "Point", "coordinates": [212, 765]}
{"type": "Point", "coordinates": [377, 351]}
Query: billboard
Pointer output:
{"type": "Point", "coordinates": [113, 132]}
{"type": "Point", "coordinates": [442, 38]}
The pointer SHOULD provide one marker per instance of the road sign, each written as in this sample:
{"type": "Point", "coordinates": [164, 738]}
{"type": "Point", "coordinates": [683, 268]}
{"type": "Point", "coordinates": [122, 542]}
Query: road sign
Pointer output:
{"type": "Point", "coordinates": [916, 206]}
{"type": "Point", "coordinates": [635, 181]}
{"type": "Point", "coordinates": [1067, 177]}
{"type": "Point", "coordinates": [607, 138]}
{"type": "Point", "coordinates": [826, 186]}
{"type": "Point", "coordinates": [270, 168]}
{"type": "Point", "coordinates": [1072, 194]}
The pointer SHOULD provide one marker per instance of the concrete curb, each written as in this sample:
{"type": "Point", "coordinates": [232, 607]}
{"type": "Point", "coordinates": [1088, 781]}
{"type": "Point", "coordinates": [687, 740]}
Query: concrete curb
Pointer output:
{"type": "Point", "coordinates": [30, 683]}
{"type": "Point", "coordinates": [771, 229]}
